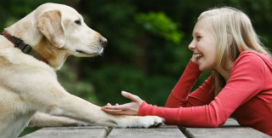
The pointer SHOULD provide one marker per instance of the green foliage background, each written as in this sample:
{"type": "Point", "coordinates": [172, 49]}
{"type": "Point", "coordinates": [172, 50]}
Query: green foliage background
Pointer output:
{"type": "Point", "coordinates": [147, 49]}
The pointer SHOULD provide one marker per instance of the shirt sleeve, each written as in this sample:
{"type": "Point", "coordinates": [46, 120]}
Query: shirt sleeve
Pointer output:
{"type": "Point", "coordinates": [246, 80]}
{"type": "Point", "coordinates": [180, 95]}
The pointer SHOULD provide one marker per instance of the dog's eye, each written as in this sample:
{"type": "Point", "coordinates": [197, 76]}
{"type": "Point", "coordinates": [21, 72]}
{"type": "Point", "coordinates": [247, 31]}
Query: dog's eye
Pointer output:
{"type": "Point", "coordinates": [78, 22]}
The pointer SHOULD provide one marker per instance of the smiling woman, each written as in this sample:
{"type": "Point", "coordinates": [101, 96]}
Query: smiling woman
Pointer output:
{"type": "Point", "coordinates": [224, 43]}
{"type": "Point", "coordinates": [204, 45]}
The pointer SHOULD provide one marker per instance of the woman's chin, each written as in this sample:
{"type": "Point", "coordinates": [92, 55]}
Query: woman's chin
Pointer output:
{"type": "Point", "coordinates": [203, 68]}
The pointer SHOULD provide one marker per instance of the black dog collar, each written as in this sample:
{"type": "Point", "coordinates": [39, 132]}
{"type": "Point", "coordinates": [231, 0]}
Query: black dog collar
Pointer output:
{"type": "Point", "coordinates": [19, 43]}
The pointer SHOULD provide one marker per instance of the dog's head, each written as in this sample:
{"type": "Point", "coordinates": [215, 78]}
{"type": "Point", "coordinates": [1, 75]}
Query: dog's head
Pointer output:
{"type": "Point", "coordinates": [65, 29]}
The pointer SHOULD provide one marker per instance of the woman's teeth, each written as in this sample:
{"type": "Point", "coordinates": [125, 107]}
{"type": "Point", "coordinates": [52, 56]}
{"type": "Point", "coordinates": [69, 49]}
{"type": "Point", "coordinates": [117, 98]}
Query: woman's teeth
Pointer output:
{"type": "Point", "coordinates": [198, 56]}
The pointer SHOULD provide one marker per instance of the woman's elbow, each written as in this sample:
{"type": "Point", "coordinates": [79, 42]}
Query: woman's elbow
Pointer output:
{"type": "Point", "coordinates": [216, 124]}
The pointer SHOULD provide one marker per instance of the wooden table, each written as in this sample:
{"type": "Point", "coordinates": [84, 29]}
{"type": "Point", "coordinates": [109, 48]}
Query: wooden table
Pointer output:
{"type": "Point", "coordinates": [230, 129]}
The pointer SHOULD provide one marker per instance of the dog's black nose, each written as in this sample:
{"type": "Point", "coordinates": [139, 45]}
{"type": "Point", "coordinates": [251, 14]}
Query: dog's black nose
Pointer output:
{"type": "Point", "coordinates": [103, 41]}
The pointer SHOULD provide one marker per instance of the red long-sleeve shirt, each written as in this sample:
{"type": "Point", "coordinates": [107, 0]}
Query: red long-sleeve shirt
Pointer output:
{"type": "Point", "coordinates": [247, 96]}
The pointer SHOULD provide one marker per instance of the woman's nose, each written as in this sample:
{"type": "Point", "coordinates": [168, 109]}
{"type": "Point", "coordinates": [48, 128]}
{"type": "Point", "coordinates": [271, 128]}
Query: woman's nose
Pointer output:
{"type": "Point", "coordinates": [191, 46]}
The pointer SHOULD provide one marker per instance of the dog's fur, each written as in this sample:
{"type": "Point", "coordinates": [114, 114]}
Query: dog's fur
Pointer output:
{"type": "Point", "coordinates": [28, 85]}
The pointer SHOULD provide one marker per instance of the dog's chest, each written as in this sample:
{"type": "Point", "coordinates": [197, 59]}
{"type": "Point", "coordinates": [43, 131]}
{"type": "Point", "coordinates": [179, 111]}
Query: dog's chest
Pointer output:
{"type": "Point", "coordinates": [16, 126]}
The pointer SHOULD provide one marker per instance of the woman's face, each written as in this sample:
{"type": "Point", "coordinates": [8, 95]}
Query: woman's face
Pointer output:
{"type": "Point", "coordinates": [204, 46]}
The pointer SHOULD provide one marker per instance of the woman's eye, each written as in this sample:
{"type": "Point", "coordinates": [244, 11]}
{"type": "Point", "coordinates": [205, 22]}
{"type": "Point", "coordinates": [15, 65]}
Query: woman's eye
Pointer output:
{"type": "Point", "coordinates": [78, 22]}
{"type": "Point", "coordinates": [198, 37]}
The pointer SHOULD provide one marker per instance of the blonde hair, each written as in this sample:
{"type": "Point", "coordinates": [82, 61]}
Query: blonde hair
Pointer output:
{"type": "Point", "coordinates": [231, 25]}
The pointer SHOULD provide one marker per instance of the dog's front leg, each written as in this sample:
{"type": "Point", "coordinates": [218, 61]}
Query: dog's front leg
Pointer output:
{"type": "Point", "coordinates": [77, 108]}
{"type": "Point", "coordinates": [41, 119]}
{"type": "Point", "coordinates": [45, 94]}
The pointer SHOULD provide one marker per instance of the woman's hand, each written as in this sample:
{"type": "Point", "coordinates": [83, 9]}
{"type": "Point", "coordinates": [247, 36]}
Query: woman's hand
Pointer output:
{"type": "Point", "coordinates": [131, 108]}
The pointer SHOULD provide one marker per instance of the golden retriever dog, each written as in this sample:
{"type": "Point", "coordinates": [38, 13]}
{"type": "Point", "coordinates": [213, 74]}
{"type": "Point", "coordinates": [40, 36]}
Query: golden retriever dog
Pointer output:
{"type": "Point", "coordinates": [29, 83]}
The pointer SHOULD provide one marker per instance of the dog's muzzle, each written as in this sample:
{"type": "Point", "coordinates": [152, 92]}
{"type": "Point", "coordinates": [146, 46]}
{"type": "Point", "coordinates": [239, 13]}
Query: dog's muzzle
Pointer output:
{"type": "Point", "coordinates": [103, 41]}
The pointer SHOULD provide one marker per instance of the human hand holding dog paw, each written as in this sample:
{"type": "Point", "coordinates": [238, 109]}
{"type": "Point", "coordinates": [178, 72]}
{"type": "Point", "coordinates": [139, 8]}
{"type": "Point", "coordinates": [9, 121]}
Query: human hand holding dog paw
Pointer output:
{"type": "Point", "coordinates": [131, 108]}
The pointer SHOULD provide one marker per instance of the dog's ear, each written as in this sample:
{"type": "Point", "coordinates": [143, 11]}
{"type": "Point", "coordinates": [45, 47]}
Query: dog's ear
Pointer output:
{"type": "Point", "coordinates": [50, 25]}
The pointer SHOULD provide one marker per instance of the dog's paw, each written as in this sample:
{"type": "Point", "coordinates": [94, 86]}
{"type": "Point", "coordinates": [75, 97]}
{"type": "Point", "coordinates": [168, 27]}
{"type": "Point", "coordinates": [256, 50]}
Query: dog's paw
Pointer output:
{"type": "Point", "coordinates": [150, 121]}
{"type": "Point", "coordinates": [139, 121]}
